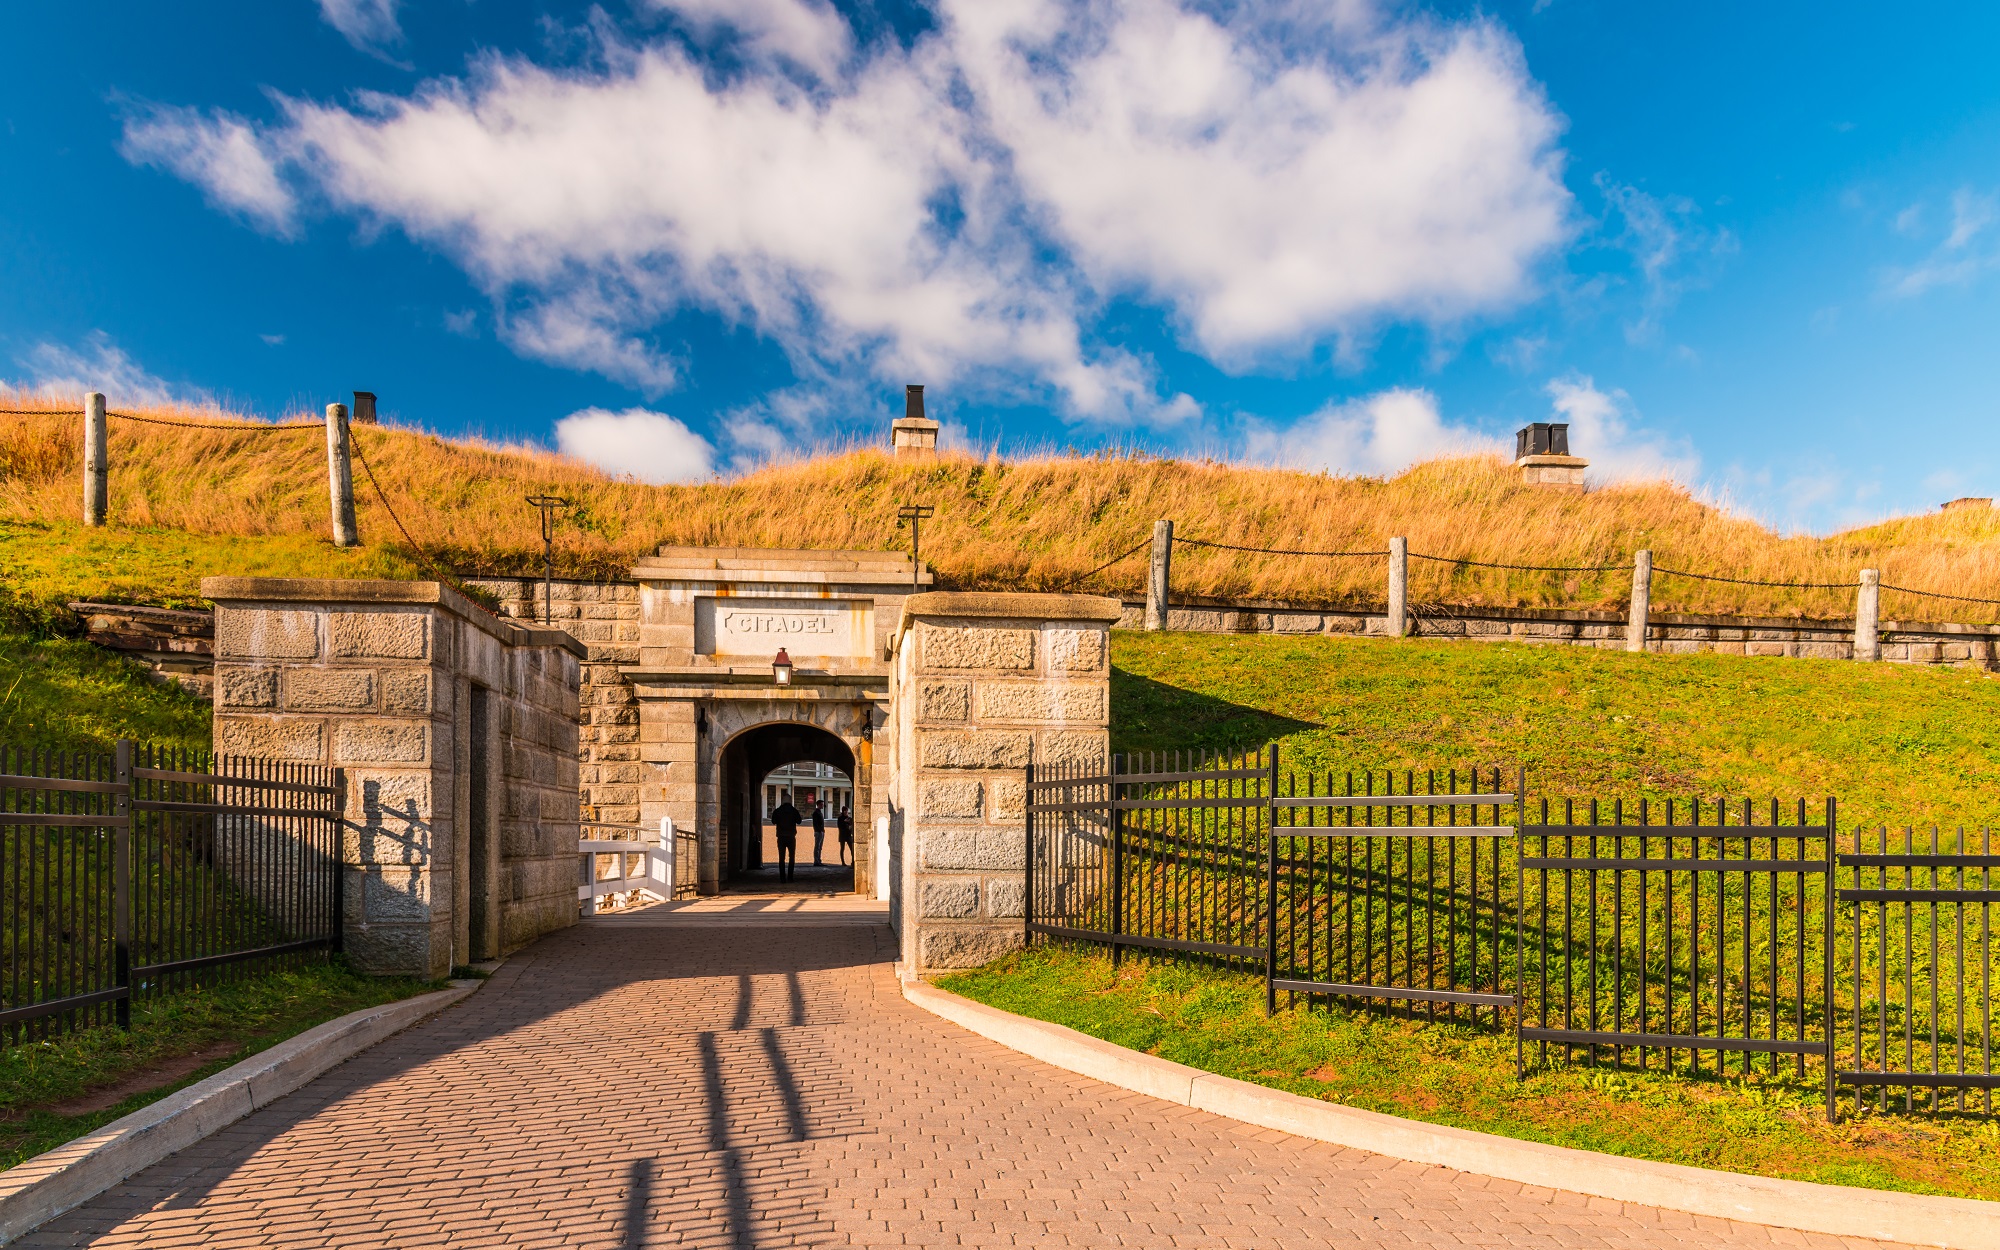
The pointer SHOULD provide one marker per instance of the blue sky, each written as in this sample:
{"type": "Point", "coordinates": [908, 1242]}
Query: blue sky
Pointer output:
{"type": "Point", "coordinates": [1753, 247]}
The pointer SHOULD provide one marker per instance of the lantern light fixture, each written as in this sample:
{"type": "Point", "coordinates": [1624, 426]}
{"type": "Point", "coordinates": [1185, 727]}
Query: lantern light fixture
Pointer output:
{"type": "Point", "coordinates": [781, 668]}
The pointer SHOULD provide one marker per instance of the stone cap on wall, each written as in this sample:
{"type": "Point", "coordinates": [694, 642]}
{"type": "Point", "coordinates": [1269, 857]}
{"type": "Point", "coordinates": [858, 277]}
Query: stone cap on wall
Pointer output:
{"type": "Point", "coordinates": [310, 590]}
{"type": "Point", "coordinates": [1010, 605]}
{"type": "Point", "coordinates": [756, 564]}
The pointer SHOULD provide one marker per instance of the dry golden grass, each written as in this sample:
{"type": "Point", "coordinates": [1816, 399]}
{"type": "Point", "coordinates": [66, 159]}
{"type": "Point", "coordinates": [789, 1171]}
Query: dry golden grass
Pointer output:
{"type": "Point", "coordinates": [1037, 522]}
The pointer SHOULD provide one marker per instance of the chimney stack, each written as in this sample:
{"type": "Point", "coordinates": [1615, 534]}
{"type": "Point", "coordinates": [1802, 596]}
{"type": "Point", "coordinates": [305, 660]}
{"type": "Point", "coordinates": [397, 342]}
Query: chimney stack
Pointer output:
{"type": "Point", "coordinates": [1541, 453]}
{"type": "Point", "coordinates": [913, 435]}
{"type": "Point", "coordinates": [364, 408]}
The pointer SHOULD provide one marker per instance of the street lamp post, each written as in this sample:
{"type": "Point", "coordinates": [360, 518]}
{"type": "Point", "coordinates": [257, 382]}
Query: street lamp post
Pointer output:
{"type": "Point", "coordinates": [548, 505]}
{"type": "Point", "coordinates": [913, 515]}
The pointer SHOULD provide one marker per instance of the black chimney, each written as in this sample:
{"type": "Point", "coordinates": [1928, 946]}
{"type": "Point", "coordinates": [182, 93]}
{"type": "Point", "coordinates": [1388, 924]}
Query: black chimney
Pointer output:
{"type": "Point", "coordinates": [1542, 439]}
{"type": "Point", "coordinates": [913, 402]}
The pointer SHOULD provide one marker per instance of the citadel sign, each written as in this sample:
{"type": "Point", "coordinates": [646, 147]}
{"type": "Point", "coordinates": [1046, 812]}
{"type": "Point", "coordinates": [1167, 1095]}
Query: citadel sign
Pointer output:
{"type": "Point", "coordinates": [750, 626]}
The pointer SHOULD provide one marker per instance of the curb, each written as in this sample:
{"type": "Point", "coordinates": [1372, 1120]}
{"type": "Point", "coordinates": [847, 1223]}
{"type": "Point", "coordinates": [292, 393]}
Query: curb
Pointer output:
{"type": "Point", "coordinates": [37, 1190]}
{"type": "Point", "coordinates": [1839, 1210]}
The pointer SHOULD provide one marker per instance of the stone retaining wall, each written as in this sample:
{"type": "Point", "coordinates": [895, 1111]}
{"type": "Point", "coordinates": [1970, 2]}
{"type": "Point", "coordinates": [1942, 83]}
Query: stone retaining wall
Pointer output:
{"type": "Point", "coordinates": [1975, 646]}
{"type": "Point", "coordinates": [387, 681]}
{"type": "Point", "coordinates": [604, 617]}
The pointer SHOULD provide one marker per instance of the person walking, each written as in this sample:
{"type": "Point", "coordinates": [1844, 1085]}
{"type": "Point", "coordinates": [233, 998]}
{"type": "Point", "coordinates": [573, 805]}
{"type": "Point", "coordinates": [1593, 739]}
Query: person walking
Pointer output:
{"type": "Point", "coordinates": [847, 836]}
{"type": "Point", "coordinates": [819, 831]}
{"type": "Point", "coordinates": [787, 818]}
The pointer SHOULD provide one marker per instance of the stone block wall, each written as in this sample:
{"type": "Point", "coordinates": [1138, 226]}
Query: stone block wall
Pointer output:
{"type": "Point", "coordinates": [378, 678]}
{"type": "Point", "coordinates": [1905, 642]}
{"type": "Point", "coordinates": [604, 617]}
{"type": "Point", "coordinates": [984, 685]}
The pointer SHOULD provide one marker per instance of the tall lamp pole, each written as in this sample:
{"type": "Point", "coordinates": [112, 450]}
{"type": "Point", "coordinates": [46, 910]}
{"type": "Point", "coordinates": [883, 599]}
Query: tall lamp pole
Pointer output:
{"type": "Point", "coordinates": [548, 505]}
{"type": "Point", "coordinates": [912, 515]}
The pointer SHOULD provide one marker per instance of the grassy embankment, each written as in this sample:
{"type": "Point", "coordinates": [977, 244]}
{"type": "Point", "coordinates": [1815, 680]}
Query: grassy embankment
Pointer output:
{"type": "Point", "coordinates": [64, 695]}
{"type": "Point", "coordinates": [187, 502]}
{"type": "Point", "coordinates": [1895, 744]}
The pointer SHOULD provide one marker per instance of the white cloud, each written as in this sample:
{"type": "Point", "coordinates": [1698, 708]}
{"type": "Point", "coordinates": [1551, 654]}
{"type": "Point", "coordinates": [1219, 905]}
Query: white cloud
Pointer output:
{"type": "Point", "coordinates": [649, 446]}
{"type": "Point", "coordinates": [1270, 177]}
{"type": "Point", "coordinates": [961, 207]}
{"type": "Point", "coordinates": [1956, 260]}
{"type": "Point", "coordinates": [218, 152]}
{"type": "Point", "coordinates": [1380, 434]}
{"type": "Point", "coordinates": [1671, 248]}
{"type": "Point", "coordinates": [273, 340]}
{"type": "Point", "coordinates": [101, 365]}
{"type": "Point", "coordinates": [1603, 430]}
{"type": "Point", "coordinates": [369, 25]}
{"type": "Point", "coordinates": [809, 33]}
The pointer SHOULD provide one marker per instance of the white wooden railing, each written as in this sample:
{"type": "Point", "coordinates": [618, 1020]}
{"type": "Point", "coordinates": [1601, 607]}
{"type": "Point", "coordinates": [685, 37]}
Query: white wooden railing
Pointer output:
{"type": "Point", "coordinates": [623, 871]}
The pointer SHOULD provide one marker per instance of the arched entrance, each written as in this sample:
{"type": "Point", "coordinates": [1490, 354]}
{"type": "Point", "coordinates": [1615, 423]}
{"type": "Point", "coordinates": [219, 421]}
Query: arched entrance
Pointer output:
{"type": "Point", "coordinates": [746, 760]}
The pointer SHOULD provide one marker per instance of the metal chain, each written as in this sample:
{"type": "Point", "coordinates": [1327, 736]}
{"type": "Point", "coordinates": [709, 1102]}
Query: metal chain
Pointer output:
{"type": "Point", "coordinates": [248, 427]}
{"type": "Point", "coordinates": [423, 559]}
{"type": "Point", "coordinates": [1742, 581]}
{"type": "Point", "coordinates": [1522, 568]}
{"type": "Point", "coordinates": [1270, 551]}
{"type": "Point", "coordinates": [1084, 577]}
{"type": "Point", "coordinates": [1932, 594]}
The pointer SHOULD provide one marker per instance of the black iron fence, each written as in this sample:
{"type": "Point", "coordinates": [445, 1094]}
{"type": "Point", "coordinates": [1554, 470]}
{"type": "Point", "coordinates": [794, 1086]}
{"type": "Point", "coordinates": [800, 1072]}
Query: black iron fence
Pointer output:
{"type": "Point", "coordinates": [140, 872]}
{"type": "Point", "coordinates": [1723, 937]}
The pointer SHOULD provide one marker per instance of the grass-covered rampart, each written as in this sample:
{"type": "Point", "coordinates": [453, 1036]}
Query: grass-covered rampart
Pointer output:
{"type": "Point", "coordinates": [1034, 521]}
{"type": "Point", "coordinates": [1895, 744]}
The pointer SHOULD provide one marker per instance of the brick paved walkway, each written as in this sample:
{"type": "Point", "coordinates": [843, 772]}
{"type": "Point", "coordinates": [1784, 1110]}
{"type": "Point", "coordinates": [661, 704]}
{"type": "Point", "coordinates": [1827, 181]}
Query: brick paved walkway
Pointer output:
{"type": "Point", "coordinates": [704, 1079]}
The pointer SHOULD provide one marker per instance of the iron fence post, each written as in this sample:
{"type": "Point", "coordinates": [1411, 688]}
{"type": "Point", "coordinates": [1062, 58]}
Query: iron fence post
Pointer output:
{"type": "Point", "coordinates": [1520, 906]}
{"type": "Point", "coordinates": [1271, 887]}
{"type": "Point", "coordinates": [1117, 871]}
{"type": "Point", "coordinates": [121, 878]}
{"type": "Point", "coordinates": [1028, 886]}
{"type": "Point", "coordinates": [338, 853]}
{"type": "Point", "coordinates": [1827, 956]}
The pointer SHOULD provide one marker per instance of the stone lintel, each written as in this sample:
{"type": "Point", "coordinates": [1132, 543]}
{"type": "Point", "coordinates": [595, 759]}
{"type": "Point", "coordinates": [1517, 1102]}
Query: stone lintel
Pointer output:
{"type": "Point", "coordinates": [328, 592]}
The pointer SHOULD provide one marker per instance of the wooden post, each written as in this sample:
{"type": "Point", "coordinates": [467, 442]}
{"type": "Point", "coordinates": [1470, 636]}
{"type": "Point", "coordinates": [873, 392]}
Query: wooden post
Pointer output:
{"type": "Point", "coordinates": [340, 477]}
{"type": "Point", "coordinates": [1867, 616]}
{"type": "Point", "coordinates": [1642, 601]}
{"type": "Point", "coordinates": [1399, 587]}
{"type": "Point", "coordinates": [1159, 575]}
{"type": "Point", "coordinates": [96, 460]}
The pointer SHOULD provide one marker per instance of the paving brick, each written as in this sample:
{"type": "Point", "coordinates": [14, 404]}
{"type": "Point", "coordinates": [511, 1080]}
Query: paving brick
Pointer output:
{"type": "Point", "coordinates": [692, 1077]}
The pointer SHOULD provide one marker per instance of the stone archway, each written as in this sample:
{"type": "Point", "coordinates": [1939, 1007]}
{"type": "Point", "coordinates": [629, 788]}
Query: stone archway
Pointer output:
{"type": "Point", "coordinates": [742, 764]}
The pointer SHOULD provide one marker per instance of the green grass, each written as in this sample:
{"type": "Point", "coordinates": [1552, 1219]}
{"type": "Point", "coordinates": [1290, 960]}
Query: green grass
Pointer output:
{"type": "Point", "coordinates": [53, 563]}
{"type": "Point", "coordinates": [1896, 744]}
{"type": "Point", "coordinates": [247, 1017]}
{"type": "Point", "coordinates": [1456, 1075]}
{"type": "Point", "coordinates": [63, 694]}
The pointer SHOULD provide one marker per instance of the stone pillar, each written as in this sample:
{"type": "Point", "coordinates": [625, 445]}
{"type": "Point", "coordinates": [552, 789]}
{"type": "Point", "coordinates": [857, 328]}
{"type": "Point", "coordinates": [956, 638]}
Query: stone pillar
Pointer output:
{"type": "Point", "coordinates": [1399, 587]}
{"type": "Point", "coordinates": [1642, 601]}
{"type": "Point", "coordinates": [984, 683]}
{"type": "Point", "coordinates": [1867, 616]}
{"type": "Point", "coordinates": [1159, 575]}
{"type": "Point", "coordinates": [340, 477]}
{"type": "Point", "coordinates": [96, 461]}
{"type": "Point", "coordinates": [377, 677]}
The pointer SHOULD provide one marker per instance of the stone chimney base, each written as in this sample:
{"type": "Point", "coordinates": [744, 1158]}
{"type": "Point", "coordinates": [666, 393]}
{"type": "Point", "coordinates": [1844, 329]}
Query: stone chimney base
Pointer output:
{"type": "Point", "coordinates": [1564, 471]}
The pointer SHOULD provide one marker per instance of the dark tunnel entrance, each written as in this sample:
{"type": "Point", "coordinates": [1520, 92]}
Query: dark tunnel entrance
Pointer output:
{"type": "Point", "coordinates": [748, 761]}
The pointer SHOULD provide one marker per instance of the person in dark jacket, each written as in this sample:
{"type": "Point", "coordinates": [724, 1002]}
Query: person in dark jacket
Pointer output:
{"type": "Point", "coordinates": [847, 836]}
{"type": "Point", "coordinates": [819, 832]}
{"type": "Point", "coordinates": [787, 818]}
